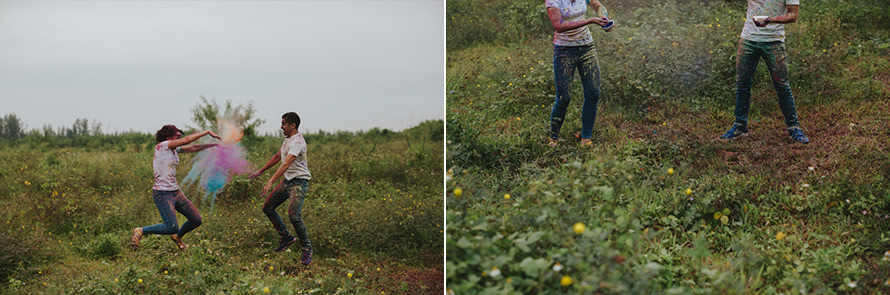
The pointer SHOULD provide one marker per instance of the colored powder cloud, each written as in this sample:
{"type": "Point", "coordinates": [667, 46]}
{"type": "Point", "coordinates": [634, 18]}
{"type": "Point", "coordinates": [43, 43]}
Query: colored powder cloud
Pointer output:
{"type": "Point", "coordinates": [213, 168]}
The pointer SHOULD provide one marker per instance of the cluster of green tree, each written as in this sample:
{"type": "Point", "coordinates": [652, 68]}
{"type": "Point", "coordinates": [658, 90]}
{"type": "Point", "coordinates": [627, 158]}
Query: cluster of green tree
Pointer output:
{"type": "Point", "coordinates": [206, 113]}
{"type": "Point", "coordinates": [11, 127]}
{"type": "Point", "coordinates": [431, 130]}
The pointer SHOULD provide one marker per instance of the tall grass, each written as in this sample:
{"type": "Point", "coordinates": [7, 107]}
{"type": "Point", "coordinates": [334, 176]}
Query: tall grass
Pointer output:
{"type": "Point", "coordinates": [68, 212]}
{"type": "Point", "coordinates": [755, 216]}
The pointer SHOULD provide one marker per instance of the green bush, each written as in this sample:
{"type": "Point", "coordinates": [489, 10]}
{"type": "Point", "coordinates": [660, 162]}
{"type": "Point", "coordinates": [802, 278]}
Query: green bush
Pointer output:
{"type": "Point", "coordinates": [106, 246]}
{"type": "Point", "coordinates": [23, 247]}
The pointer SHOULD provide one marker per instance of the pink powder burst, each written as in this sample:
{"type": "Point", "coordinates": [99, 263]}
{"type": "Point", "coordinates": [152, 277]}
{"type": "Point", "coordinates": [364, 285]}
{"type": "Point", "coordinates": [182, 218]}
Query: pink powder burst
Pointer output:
{"type": "Point", "coordinates": [213, 168]}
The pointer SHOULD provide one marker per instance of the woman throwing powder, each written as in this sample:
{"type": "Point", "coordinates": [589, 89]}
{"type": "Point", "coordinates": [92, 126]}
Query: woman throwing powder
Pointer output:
{"type": "Point", "coordinates": [165, 191]}
{"type": "Point", "coordinates": [573, 48]}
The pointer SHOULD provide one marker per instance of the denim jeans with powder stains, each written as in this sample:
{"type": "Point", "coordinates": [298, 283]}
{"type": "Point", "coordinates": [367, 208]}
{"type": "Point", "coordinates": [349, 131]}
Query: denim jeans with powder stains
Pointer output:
{"type": "Point", "coordinates": [167, 202]}
{"type": "Point", "coordinates": [566, 59]}
{"type": "Point", "coordinates": [295, 190]}
{"type": "Point", "coordinates": [776, 59]}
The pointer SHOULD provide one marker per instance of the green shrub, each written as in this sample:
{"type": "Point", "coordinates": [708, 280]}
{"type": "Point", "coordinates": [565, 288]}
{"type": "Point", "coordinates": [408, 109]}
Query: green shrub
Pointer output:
{"type": "Point", "coordinates": [23, 247]}
{"type": "Point", "coordinates": [105, 246]}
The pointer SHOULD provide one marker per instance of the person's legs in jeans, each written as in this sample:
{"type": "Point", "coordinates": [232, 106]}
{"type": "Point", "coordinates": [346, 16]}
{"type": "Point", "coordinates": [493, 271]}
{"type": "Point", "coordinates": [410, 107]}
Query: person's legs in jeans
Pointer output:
{"type": "Point", "coordinates": [747, 57]}
{"type": "Point", "coordinates": [588, 69]}
{"type": "Point", "coordinates": [564, 62]}
{"type": "Point", "coordinates": [278, 196]}
{"type": "Point", "coordinates": [295, 211]}
{"type": "Point", "coordinates": [776, 57]}
{"type": "Point", "coordinates": [297, 189]}
{"type": "Point", "coordinates": [164, 200]}
{"type": "Point", "coordinates": [185, 207]}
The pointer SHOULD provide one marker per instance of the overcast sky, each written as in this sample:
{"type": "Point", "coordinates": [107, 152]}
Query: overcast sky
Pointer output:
{"type": "Point", "coordinates": [137, 65]}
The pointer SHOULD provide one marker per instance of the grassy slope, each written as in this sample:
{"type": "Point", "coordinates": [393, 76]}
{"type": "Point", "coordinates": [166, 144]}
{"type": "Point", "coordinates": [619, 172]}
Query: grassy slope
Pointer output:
{"type": "Point", "coordinates": [667, 97]}
{"type": "Point", "coordinates": [373, 211]}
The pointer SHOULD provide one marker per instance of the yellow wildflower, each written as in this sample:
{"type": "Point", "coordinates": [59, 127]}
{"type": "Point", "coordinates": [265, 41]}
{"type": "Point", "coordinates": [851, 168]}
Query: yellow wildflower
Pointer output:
{"type": "Point", "coordinates": [780, 236]}
{"type": "Point", "coordinates": [565, 281]}
{"type": "Point", "coordinates": [579, 228]}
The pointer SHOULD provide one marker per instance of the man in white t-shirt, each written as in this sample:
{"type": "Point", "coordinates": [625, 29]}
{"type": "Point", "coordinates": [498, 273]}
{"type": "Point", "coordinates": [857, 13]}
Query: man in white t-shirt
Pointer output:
{"type": "Point", "coordinates": [295, 170]}
{"type": "Point", "coordinates": [764, 37]}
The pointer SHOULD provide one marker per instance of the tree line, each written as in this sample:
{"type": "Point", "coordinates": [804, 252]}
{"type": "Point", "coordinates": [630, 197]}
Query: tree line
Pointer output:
{"type": "Point", "coordinates": [11, 127]}
{"type": "Point", "coordinates": [205, 114]}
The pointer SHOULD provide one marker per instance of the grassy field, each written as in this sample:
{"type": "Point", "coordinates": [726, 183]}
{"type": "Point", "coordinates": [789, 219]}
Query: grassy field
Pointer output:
{"type": "Point", "coordinates": [659, 205]}
{"type": "Point", "coordinates": [374, 214]}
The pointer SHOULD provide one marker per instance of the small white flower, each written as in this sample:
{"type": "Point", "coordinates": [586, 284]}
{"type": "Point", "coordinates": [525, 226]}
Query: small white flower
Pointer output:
{"type": "Point", "coordinates": [811, 168]}
{"type": "Point", "coordinates": [495, 272]}
{"type": "Point", "coordinates": [805, 185]}
{"type": "Point", "coordinates": [851, 284]}
{"type": "Point", "coordinates": [557, 267]}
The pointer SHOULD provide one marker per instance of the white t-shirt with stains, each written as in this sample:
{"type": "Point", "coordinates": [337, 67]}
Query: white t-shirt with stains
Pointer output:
{"type": "Point", "coordinates": [571, 11]}
{"type": "Point", "coordinates": [299, 168]}
{"type": "Point", "coordinates": [164, 165]}
{"type": "Point", "coordinates": [771, 8]}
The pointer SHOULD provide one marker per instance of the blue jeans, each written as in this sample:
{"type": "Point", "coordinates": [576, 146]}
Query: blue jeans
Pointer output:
{"type": "Point", "coordinates": [167, 201]}
{"type": "Point", "coordinates": [565, 60]}
{"type": "Point", "coordinates": [295, 190]}
{"type": "Point", "coordinates": [775, 57]}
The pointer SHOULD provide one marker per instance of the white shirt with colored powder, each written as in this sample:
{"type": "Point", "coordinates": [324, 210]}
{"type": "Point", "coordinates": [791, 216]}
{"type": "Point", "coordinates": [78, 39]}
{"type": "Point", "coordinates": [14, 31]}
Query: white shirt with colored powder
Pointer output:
{"type": "Point", "coordinates": [299, 168]}
{"type": "Point", "coordinates": [771, 8]}
{"type": "Point", "coordinates": [164, 165]}
{"type": "Point", "coordinates": [571, 11]}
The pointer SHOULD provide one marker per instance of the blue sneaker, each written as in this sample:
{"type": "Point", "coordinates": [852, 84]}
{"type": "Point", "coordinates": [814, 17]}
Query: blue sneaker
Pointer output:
{"type": "Point", "coordinates": [736, 131]}
{"type": "Point", "coordinates": [307, 256]}
{"type": "Point", "coordinates": [797, 134]}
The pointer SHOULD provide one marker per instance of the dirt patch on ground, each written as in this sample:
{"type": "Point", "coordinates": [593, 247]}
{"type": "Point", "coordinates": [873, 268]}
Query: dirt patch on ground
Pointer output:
{"type": "Point", "coordinates": [851, 137]}
{"type": "Point", "coordinates": [406, 280]}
